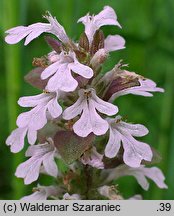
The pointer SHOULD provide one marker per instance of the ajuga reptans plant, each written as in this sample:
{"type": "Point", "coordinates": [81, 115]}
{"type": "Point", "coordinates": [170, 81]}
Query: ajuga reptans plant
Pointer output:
{"type": "Point", "coordinates": [75, 133]}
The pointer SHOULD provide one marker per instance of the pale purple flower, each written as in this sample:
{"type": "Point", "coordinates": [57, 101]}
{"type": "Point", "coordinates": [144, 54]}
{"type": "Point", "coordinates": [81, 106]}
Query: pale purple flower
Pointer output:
{"type": "Point", "coordinates": [42, 193]}
{"type": "Point", "coordinates": [33, 31]}
{"type": "Point", "coordinates": [92, 23]}
{"type": "Point", "coordinates": [40, 155]}
{"type": "Point", "coordinates": [140, 173]}
{"type": "Point", "coordinates": [134, 151]}
{"type": "Point", "coordinates": [93, 158]}
{"type": "Point", "coordinates": [43, 104]}
{"type": "Point", "coordinates": [87, 105]}
{"type": "Point", "coordinates": [16, 139]}
{"type": "Point", "coordinates": [33, 120]}
{"type": "Point", "coordinates": [60, 72]}
{"type": "Point", "coordinates": [146, 86]}
{"type": "Point", "coordinates": [113, 43]}
{"type": "Point", "coordinates": [67, 196]}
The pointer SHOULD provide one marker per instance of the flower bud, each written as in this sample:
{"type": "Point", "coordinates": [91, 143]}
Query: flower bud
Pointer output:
{"type": "Point", "coordinates": [99, 58]}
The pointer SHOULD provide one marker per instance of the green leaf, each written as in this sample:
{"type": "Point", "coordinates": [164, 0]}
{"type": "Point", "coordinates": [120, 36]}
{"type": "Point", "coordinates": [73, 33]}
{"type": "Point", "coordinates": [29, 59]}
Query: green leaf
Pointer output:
{"type": "Point", "coordinates": [70, 146]}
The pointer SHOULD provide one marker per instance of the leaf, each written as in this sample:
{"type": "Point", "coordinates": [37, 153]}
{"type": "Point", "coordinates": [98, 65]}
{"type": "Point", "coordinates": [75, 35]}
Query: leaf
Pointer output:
{"type": "Point", "coordinates": [84, 42]}
{"type": "Point", "coordinates": [98, 42]}
{"type": "Point", "coordinates": [33, 78]}
{"type": "Point", "coordinates": [53, 43]}
{"type": "Point", "coordinates": [70, 146]}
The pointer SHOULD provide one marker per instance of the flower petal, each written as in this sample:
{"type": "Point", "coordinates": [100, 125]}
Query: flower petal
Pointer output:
{"type": "Point", "coordinates": [136, 130]}
{"type": "Point", "coordinates": [50, 70]}
{"type": "Point", "coordinates": [50, 165]}
{"type": "Point", "coordinates": [16, 139]}
{"type": "Point", "coordinates": [113, 145]}
{"type": "Point", "coordinates": [57, 29]}
{"type": "Point", "coordinates": [54, 108]}
{"type": "Point", "coordinates": [156, 175]}
{"type": "Point", "coordinates": [29, 170]}
{"type": "Point", "coordinates": [141, 179]}
{"type": "Point", "coordinates": [81, 69]}
{"type": "Point", "coordinates": [34, 119]}
{"type": "Point", "coordinates": [36, 30]}
{"type": "Point", "coordinates": [62, 80]}
{"type": "Point", "coordinates": [90, 121]}
{"type": "Point", "coordinates": [32, 101]}
{"type": "Point", "coordinates": [38, 119]}
{"type": "Point", "coordinates": [41, 153]}
{"type": "Point", "coordinates": [39, 149]}
{"type": "Point", "coordinates": [83, 126]}
{"type": "Point", "coordinates": [32, 136]}
{"type": "Point", "coordinates": [24, 119]}
{"type": "Point", "coordinates": [103, 106]}
{"type": "Point", "coordinates": [135, 151]}
{"type": "Point", "coordinates": [114, 42]}
{"type": "Point", "coordinates": [106, 17]}
{"type": "Point", "coordinates": [74, 110]}
{"type": "Point", "coordinates": [16, 34]}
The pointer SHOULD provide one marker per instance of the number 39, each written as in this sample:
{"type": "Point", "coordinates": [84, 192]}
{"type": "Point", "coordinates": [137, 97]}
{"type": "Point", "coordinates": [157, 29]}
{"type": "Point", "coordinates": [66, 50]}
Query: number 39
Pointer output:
{"type": "Point", "coordinates": [165, 206]}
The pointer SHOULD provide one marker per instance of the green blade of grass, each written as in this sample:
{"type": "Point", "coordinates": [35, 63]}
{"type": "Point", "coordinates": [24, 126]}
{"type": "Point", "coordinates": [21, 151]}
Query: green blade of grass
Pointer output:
{"type": "Point", "coordinates": [12, 70]}
{"type": "Point", "coordinates": [163, 146]}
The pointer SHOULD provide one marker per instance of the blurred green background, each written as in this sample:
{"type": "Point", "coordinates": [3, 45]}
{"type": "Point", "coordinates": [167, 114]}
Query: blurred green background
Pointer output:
{"type": "Point", "coordinates": [148, 27]}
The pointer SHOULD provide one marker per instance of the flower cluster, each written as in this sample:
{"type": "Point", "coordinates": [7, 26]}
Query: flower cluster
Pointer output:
{"type": "Point", "coordinates": [74, 115]}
